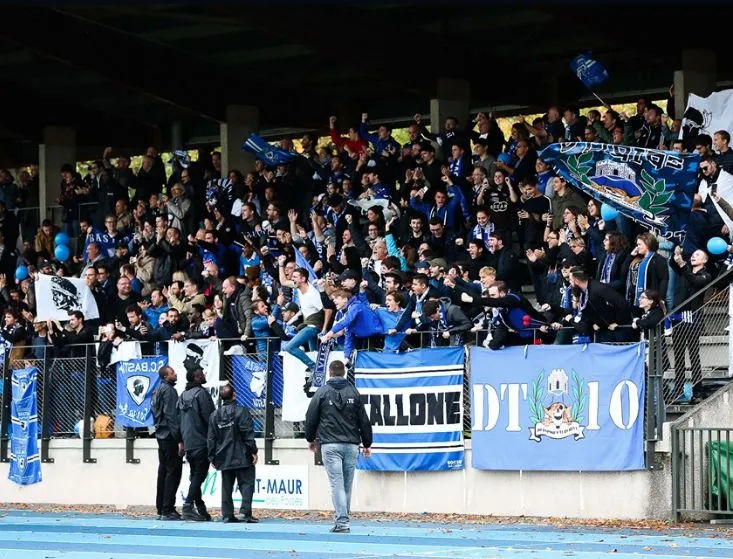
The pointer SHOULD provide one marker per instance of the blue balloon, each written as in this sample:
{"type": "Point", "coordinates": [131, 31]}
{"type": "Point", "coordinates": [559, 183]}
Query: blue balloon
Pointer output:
{"type": "Point", "coordinates": [62, 253]}
{"type": "Point", "coordinates": [21, 272]}
{"type": "Point", "coordinates": [608, 213]}
{"type": "Point", "coordinates": [716, 245]}
{"type": "Point", "coordinates": [61, 239]}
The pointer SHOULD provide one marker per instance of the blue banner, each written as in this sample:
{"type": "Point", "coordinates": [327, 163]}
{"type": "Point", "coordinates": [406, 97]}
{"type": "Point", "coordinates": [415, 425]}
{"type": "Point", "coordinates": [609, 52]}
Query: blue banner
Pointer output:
{"type": "Point", "coordinates": [270, 154]}
{"type": "Point", "coordinates": [249, 376]}
{"type": "Point", "coordinates": [589, 71]}
{"type": "Point", "coordinates": [650, 186]}
{"type": "Point", "coordinates": [136, 381]}
{"type": "Point", "coordinates": [25, 461]}
{"type": "Point", "coordinates": [558, 408]}
{"type": "Point", "coordinates": [415, 405]}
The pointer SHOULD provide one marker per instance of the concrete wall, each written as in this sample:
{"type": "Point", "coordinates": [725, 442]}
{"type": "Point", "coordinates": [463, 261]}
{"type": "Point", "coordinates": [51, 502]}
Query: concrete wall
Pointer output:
{"type": "Point", "coordinates": [630, 495]}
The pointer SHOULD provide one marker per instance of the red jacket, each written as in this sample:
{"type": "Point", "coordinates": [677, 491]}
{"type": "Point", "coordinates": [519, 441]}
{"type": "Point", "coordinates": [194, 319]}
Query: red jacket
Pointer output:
{"type": "Point", "coordinates": [357, 147]}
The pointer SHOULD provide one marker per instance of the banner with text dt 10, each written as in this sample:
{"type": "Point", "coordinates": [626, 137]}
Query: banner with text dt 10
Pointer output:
{"type": "Point", "coordinates": [558, 408]}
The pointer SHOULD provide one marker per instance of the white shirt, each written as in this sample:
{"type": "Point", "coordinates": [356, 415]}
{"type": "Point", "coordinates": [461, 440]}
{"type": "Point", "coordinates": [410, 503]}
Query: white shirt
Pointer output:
{"type": "Point", "coordinates": [310, 301]}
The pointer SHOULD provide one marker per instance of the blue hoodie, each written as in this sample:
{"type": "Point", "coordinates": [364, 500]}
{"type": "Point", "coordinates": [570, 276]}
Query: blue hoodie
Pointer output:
{"type": "Point", "coordinates": [358, 320]}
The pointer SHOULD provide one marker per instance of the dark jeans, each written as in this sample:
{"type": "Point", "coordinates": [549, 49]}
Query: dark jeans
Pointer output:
{"type": "Point", "coordinates": [170, 466]}
{"type": "Point", "coordinates": [248, 491]}
{"type": "Point", "coordinates": [198, 461]}
{"type": "Point", "coordinates": [228, 477]}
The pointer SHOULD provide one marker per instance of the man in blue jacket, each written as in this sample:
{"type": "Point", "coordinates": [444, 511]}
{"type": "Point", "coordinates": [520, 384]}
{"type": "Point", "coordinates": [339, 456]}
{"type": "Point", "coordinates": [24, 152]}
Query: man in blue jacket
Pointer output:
{"type": "Point", "coordinates": [354, 319]}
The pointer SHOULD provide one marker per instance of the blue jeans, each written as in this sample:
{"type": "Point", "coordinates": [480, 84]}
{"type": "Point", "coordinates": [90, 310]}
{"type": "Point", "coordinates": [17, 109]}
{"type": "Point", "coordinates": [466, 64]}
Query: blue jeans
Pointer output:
{"type": "Point", "coordinates": [339, 460]}
{"type": "Point", "coordinates": [307, 335]}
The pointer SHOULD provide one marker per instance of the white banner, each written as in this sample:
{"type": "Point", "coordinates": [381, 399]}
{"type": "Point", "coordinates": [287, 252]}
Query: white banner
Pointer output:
{"type": "Point", "coordinates": [276, 487]}
{"type": "Point", "coordinates": [707, 115]}
{"type": "Point", "coordinates": [56, 297]}
{"type": "Point", "coordinates": [295, 402]}
{"type": "Point", "coordinates": [204, 353]}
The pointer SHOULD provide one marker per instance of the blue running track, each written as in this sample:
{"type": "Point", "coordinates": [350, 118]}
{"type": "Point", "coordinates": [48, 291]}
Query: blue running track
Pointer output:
{"type": "Point", "coordinates": [73, 536]}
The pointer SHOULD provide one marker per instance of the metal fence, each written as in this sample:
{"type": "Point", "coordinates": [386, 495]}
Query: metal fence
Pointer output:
{"type": "Point", "coordinates": [701, 471]}
{"type": "Point", "coordinates": [690, 346]}
{"type": "Point", "coordinates": [75, 392]}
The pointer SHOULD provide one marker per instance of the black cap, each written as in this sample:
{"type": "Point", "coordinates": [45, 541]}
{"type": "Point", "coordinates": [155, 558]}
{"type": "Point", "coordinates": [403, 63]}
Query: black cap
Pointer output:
{"type": "Point", "coordinates": [348, 274]}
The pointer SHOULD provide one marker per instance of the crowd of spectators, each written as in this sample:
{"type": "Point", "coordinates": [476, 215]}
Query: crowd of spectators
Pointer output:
{"type": "Point", "coordinates": [367, 242]}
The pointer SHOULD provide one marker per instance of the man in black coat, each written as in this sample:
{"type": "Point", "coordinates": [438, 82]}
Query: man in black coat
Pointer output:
{"type": "Point", "coordinates": [196, 406]}
{"type": "Point", "coordinates": [233, 451]}
{"type": "Point", "coordinates": [164, 405]}
{"type": "Point", "coordinates": [602, 308]}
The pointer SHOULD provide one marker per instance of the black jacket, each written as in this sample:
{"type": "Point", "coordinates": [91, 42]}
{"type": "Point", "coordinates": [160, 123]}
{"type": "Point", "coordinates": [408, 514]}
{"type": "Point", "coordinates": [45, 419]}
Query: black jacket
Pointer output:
{"type": "Point", "coordinates": [688, 284]}
{"type": "Point", "coordinates": [195, 407]}
{"type": "Point", "coordinates": [337, 415]}
{"type": "Point", "coordinates": [605, 306]}
{"type": "Point", "coordinates": [504, 261]}
{"type": "Point", "coordinates": [619, 270]}
{"type": "Point", "coordinates": [231, 439]}
{"type": "Point", "coordinates": [165, 412]}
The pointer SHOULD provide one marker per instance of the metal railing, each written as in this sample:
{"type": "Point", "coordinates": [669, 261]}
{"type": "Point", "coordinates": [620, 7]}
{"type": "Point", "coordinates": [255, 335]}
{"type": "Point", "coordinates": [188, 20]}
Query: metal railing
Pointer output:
{"type": "Point", "coordinates": [74, 391]}
{"type": "Point", "coordinates": [687, 346]}
{"type": "Point", "coordinates": [701, 471]}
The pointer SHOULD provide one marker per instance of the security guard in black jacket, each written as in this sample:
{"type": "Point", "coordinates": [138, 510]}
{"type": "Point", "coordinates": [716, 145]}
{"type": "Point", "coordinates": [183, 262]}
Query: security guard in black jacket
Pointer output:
{"type": "Point", "coordinates": [196, 406]}
{"type": "Point", "coordinates": [233, 451]}
{"type": "Point", "coordinates": [170, 444]}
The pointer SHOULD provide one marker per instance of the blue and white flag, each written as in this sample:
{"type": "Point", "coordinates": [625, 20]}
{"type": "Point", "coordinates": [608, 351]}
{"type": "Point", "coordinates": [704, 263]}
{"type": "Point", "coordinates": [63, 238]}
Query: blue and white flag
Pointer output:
{"type": "Point", "coordinates": [301, 262]}
{"type": "Point", "coordinates": [249, 376]}
{"type": "Point", "coordinates": [589, 71]}
{"type": "Point", "coordinates": [558, 408]}
{"type": "Point", "coordinates": [136, 381]}
{"type": "Point", "coordinates": [650, 186]}
{"type": "Point", "coordinates": [25, 461]}
{"type": "Point", "coordinates": [415, 405]}
{"type": "Point", "coordinates": [270, 154]}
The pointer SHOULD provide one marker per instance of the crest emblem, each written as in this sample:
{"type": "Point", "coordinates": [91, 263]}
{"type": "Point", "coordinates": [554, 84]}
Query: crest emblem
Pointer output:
{"type": "Point", "coordinates": [137, 388]}
{"type": "Point", "coordinates": [258, 382]}
{"type": "Point", "coordinates": [557, 410]}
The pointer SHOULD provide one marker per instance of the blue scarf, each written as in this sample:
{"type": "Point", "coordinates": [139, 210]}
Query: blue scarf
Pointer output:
{"type": "Point", "coordinates": [456, 166]}
{"type": "Point", "coordinates": [641, 279]}
{"type": "Point", "coordinates": [607, 266]}
{"type": "Point", "coordinates": [483, 233]}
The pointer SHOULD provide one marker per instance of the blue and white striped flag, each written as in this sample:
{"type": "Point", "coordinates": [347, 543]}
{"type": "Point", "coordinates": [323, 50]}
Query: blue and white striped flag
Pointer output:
{"type": "Point", "coordinates": [270, 154]}
{"type": "Point", "coordinates": [415, 404]}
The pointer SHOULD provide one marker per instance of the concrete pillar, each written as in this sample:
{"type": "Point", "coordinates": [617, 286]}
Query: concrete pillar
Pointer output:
{"type": "Point", "coordinates": [698, 76]}
{"type": "Point", "coordinates": [453, 99]}
{"type": "Point", "coordinates": [58, 148]}
{"type": "Point", "coordinates": [241, 121]}
{"type": "Point", "coordinates": [177, 135]}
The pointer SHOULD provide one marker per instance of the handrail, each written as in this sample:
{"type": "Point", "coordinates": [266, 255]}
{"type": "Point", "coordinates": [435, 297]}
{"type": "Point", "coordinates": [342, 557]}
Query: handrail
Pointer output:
{"type": "Point", "coordinates": [697, 293]}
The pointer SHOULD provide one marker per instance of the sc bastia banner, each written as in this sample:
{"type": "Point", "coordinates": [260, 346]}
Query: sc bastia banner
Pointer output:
{"type": "Point", "coordinates": [415, 405]}
{"type": "Point", "coordinates": [650, 186]}
{"type": "Point", "coordinates": [707, 115]}
{"type": "Point", "coordinates": [183, 356]}
{"type": "Point", "coordinates": [249, 376]}
{"type": "Point", "coordinates": [25, 461]}
{"type": "Point", "coordinates": [56, 297]}
{"type": "Point", "coordinates": [136, 381]}
{"type": "Point", "coordinates": [558, 408]}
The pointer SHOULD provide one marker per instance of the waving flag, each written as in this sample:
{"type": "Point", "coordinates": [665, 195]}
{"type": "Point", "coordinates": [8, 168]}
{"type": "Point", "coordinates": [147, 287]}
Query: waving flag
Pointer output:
{"type": "Point", "coordinates": [270, 154]}
{"type": "Point", "coordinates": [650, 186]}
{"type": "Point", "coordinates": [589, 71]}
